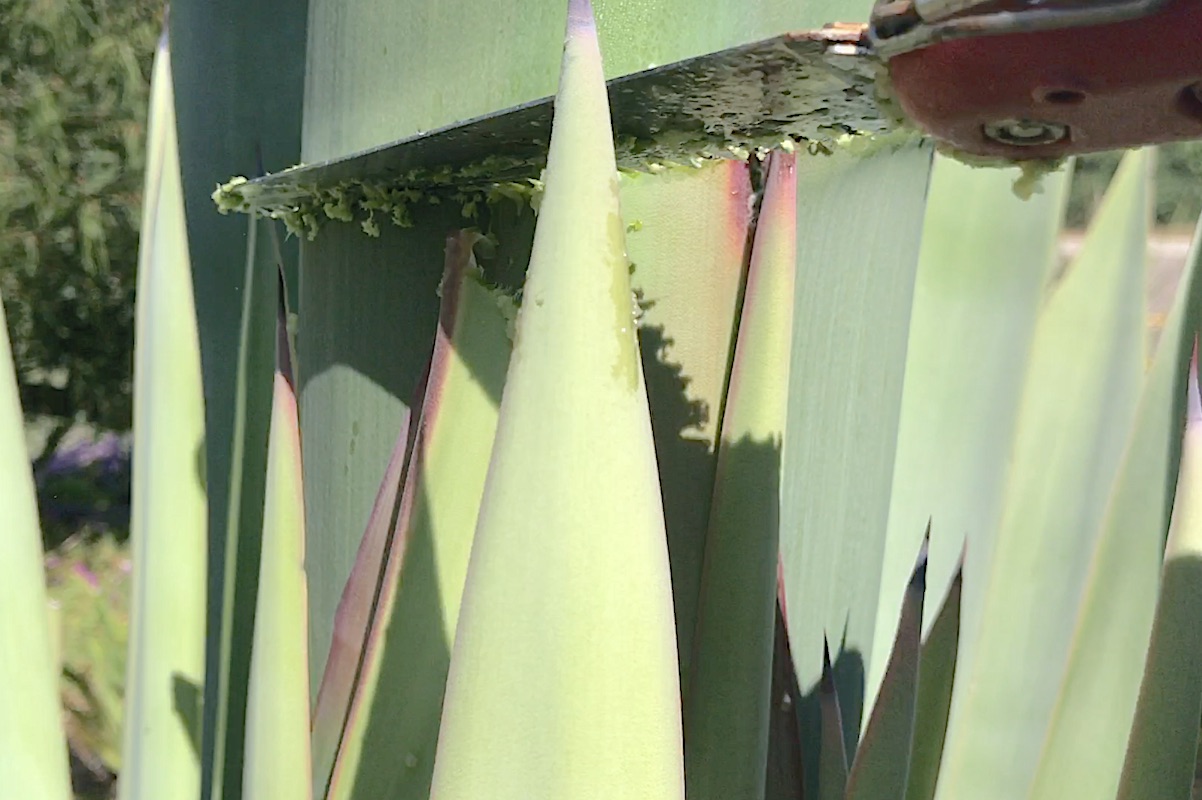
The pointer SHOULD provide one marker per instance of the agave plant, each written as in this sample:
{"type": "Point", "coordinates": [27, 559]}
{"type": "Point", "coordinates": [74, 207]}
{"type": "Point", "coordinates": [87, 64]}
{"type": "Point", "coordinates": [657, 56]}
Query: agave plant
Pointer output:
{"type": "Point", "coordinates": [804, 475]}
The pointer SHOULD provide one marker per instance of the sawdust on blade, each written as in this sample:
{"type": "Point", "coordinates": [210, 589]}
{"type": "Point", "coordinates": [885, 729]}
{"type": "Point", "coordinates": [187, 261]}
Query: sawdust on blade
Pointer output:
{"type": "Point", "coordinates": [816, 87]}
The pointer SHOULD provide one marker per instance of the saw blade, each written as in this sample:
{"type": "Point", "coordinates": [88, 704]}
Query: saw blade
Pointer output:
{"type": "Point", "coordinates": [810, 86]}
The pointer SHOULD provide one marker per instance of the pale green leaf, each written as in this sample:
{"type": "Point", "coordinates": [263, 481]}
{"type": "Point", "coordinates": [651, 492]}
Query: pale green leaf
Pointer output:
{"type": "Point", "coordinates": [859, 220]}
{"type": "Point", "coordinates": [1163, 743]}
{"type": "Point", "coordinates": [986, 257]}
{"type": "Point", "coordinates": [727, 708]}
{"type": "Point", "coordinates": [168, 515]}
{"type": "Point", "coordinates": [1078, 405]}
{"type": "Point", "coordinates": [1092, 720]}
{"type": "Point", "coordinates": [566, 615]}
{"type": "Point", "coordinates": [33, 751]}
{"type": "Point", "coordinates": [277, 717]}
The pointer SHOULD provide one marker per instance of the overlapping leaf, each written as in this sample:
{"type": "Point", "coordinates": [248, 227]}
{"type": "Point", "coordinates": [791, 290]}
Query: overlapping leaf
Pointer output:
{"type": "Point", "coordinates": [1162, 750]}
{"type": "Point", "coordinates": [727, 708]}
{"type": "Point", "coordinates": [859, 223]}
{"type": "Point", "coordinates": [387, 733]}
{"type": "Point", "coordinates": [166, 660]}
{"type": "Point", "coordinates": [277, 717]}
{"type": "Point", "coordinates": [986, 257]}
{"type": "Point", "coordinates": [1085, 745]}
{"type": "Point", "coordinates": [1075, 417]}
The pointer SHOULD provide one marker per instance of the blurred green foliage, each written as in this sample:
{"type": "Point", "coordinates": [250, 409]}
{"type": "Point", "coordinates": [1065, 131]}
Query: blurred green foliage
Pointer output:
{"type": "Point", "coordinates": [74, 80]}
{"type": "Point", "coordinates": [1178, 185]}
{"type": "Point", "coordinates": [88, 582]}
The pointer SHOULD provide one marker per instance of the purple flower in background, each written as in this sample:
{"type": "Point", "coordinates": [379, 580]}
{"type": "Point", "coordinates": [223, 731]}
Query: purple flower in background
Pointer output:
{"type": "Point", "coordinates": [87, 482]}
{"type": "Point", "coordinates": [82, 571]}
{"type": "Point", "coordinates": [109, 453]}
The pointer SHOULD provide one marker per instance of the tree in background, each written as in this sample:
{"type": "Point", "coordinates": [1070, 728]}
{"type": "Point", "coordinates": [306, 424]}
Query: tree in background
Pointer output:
{"type": "Point", "coordinates": [74, 77]}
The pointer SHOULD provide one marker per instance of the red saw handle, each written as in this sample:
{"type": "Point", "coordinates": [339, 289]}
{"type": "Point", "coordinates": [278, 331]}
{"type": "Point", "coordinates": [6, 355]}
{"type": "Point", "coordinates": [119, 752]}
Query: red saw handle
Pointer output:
{"type": "Point", "coordinates": [1061, 92]}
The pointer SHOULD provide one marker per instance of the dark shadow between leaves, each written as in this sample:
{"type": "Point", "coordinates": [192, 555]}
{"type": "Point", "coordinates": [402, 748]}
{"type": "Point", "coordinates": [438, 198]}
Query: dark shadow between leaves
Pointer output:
{"type": "Point", "coordinates": [186, 699]}
{"type": "Point", "coordinates": [686, 472]}
{"type": "Point", "coordinates": [848, 670]}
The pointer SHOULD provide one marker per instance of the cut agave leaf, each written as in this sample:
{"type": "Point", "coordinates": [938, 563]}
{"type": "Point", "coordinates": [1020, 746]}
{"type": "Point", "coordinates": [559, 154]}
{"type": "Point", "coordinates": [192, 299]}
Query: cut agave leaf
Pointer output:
{"type": "Point", "coordinates": [354, 615]}
{"type": "Point", "coordinates": [1162, 750]}
{"type": "Point", "coordinates": [277, 717]}
{"type": "Point", "coordinates": [1096, 704]}
{"type": "Point", "coordinates": [1076, 413]}
{"type": "Point", "coordinates": [387, 745]}
{"type": "Point", "coordinates": [33, 750]}
{"type": "Point", "coordinates": [687, 238]}
{"type": "Point", "coordinates": [859, 221]}
{"type": "Point", "coordinates": [165, 665]}
{"type": "Point", "coordinates": [936, 671]}
{"type": "Point", "coordinates": [727, 711]}
{"type": "Point", "coordinates": [564, 678]}
{"type": "Point", "coordinates": [881, 767]}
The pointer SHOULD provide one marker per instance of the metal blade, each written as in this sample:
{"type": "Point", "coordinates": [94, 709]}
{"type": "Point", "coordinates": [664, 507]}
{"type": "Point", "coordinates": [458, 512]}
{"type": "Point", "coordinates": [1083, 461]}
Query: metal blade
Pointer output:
{"type": "Point", "coordinates": [810, 86]}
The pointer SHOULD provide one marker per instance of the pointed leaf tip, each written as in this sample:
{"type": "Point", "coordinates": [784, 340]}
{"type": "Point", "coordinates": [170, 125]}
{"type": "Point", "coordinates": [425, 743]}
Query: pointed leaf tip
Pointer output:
{"type": "Point", "coordinates": [581, 21]}
{"type": "Point", "coordinates": [827, 685]}
{"type": "Point", "coordinates": [832, 758]}
{"type": "Point", "coordinates": [918, 579]}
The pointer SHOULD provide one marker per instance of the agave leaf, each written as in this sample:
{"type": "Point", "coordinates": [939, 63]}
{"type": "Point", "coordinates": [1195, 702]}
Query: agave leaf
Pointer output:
{"type": "Point", "coordinates": [726, 716]}
{"type": "Point", "coordinates": [387, 746]}
{"type": "Point", "coordinates": [33, 750]}
{"type": "Point", "coordinates": [568, 584]}
{"type": "Point", "coordinates": [353, 618]}
{"type": "Point", "coordinates": [936, 671]}
{"type": "Point", "coordinates": [235, 582]}
{"type": "Point", "coordinates": [1084, 746]}
{"type": "Point", "coordinates": [234, 118]}
{"type": "Point", "coordinates": [1076, 414]}
{"type": "Point", "coordinates": [882, 763]}
{"type": "Point", "coordinates": [1162, 747]}
{"type": "Point", "coordinates": [832, 763]}
{"type": "Point", "coordinates": [986, 257]}
{"type": "Point", "coordinates": [683, 224]}
{"type": "Point", "coordinates": [277, 717]}
{"type": "Point", "coordinates": [165, 666]}
{"type": "Point", "coordinates": [859, 219]}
